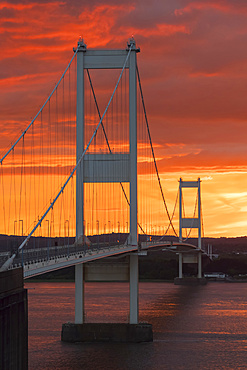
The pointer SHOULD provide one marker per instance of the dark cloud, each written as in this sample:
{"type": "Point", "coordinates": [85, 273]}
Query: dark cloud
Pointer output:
{"type": "Point", "coordinates": [192, 61]}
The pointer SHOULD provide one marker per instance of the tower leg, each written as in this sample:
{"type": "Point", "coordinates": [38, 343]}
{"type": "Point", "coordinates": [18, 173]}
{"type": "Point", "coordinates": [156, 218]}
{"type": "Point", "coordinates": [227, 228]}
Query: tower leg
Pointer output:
{"type": "Point", "coordinates": [80, 148]}
{"type": "Point", "coordinates": [79, 294]}
{"type": "Point", "coordinates": [133, 239]}
{"type": "Point", "coordinates": [199, 265]}
{"type": "Point", "coordinates": [108, 332]}
{"type": "Point", "coordinates": [134, 291]}
{"type": "Point", "coordinates": [180, 265]}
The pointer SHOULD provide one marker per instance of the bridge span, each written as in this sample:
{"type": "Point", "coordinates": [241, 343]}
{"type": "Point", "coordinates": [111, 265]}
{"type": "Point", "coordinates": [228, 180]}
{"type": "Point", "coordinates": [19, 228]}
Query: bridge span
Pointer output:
{"type": "Point", "coordinates": [38, 266]}
{"type": "Point", "coordinates": [76, 173]}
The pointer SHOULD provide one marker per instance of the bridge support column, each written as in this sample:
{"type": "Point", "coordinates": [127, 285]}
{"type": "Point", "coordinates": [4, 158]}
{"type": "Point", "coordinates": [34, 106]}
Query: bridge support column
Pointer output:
{"type": "Point", "coordinates": [108, 332]}
{"type": "Point", "coordinates": [199, 263]}
{"type": "Point", "coordinates": [79, 294]}
{"type": "Point", "coordinates": [191, 258]}
{"type": "Point", "coordinates": [134, 289]}
{"type": "Point", "coordinates": [180, 265]}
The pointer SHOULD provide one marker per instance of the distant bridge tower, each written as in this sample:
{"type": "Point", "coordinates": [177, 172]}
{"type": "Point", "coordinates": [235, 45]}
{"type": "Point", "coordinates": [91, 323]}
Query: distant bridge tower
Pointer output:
{"type": "Point", "coordinates": [107, 165]}
{"type": "Point", "coordinates": [194, 223]}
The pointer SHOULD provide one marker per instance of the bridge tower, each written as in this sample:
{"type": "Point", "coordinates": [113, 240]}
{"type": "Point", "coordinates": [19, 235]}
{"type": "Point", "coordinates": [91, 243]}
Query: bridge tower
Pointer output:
{"type": "Point", "coordinates": [193, 223]}
{"type": "Point", "coordinates": [107, 165]}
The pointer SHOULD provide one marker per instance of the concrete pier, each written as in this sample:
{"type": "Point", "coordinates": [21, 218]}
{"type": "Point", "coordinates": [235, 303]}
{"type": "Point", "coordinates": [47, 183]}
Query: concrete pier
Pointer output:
{"type": "Point", "coordinates": [124, 269]}
{"type": "Point", "coordinates": [190, 281]}
{"type": "Point", "coordinates": [107, 332]}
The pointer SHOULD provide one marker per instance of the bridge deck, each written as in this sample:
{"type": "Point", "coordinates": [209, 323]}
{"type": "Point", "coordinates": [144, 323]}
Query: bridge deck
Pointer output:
{"type": "Point", "coordinates": [43, 265]}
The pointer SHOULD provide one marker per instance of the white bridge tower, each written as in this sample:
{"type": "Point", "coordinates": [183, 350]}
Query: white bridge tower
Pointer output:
{"type": "Point", "coordinates": [107, 165]}
{"type": "Point", "coordinates": [191, 223]}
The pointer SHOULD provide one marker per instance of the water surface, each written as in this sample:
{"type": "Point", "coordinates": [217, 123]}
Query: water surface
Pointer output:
{"type": "Point", "coordinates": [201, 327]}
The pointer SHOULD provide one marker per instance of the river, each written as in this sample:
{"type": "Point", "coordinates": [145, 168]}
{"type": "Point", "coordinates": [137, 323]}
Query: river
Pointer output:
{"type": "Point", "coordinates": [202, 327]}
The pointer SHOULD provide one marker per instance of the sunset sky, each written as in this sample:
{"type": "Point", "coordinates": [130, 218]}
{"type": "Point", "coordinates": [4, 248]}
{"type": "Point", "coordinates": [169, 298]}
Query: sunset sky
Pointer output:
{"type": "Point", "coordinates": [193, 66]}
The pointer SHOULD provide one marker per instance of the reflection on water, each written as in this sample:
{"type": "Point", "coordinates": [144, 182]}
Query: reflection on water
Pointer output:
{"type": "Point", "coordinates": [194, 327]}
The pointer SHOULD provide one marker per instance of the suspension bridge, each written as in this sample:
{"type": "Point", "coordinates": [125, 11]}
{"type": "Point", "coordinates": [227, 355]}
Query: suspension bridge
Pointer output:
{"type": "Point", "coordinates": [81, 181]}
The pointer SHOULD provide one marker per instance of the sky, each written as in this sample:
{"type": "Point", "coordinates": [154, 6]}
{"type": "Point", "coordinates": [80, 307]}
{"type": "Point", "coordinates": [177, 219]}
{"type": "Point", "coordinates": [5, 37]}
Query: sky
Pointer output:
{"type": "Point", "coordinates": [193, 66]}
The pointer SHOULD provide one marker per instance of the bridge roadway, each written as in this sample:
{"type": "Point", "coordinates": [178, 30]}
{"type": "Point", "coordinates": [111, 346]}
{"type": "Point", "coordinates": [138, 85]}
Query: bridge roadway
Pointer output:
{"type": "Point", "coordinates": [33, 267]}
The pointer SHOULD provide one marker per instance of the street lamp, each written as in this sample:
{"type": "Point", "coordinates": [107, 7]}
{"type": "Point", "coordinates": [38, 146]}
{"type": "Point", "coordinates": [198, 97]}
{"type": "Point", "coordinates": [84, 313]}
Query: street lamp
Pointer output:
{"type": "Point", "coordinates": [22, 257]}
{"type": "Point", "coordinates": [83, 234]}
{"type": "Point", "coordinates": [21, 227]}
{"type": "Point", "coordinates": [109, 222]}
{"type": "Point", "coordinates": [65, 235]}
{"type": "Point", "coordinates": [14, 225]}
{"type": "Point", "coordinates": [48, 234]}
{"type": "Point", "coordinates": [97, 231]}
{"type": "Point", "coordinates": [118, 223]}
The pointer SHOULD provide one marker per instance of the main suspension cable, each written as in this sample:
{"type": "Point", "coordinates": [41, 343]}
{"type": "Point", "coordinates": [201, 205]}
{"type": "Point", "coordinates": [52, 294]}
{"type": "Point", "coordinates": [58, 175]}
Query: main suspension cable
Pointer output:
{"type": "Point", "coordinates": [41, 109]}
{"type": "Point", "coordinates": [9, 262]}
{"type": "Point", "coordinates": [154, 159]}
{"type": "Point", "coordinates": [173, 213]}
{"type": "Point", "coordinates": [106, 138]}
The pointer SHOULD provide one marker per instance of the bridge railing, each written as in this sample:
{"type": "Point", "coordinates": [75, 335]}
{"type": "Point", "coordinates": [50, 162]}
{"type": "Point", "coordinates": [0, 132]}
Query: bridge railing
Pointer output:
{"type": "Point", "coordinates": [50, 252]}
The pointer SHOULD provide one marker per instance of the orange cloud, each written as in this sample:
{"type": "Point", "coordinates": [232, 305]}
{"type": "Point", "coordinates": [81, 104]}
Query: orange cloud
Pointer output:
{"type": "Point", "coordinates": [160, 30]}
{"type": "Point", "coordinates": [202, 6]}
{"type": "Point", "coordinates": [194, 78]}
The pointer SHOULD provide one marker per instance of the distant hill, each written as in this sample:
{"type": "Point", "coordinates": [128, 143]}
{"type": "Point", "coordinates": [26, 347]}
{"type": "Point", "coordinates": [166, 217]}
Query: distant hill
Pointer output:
{"type": "Point", "coordinates": [220, 245]}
